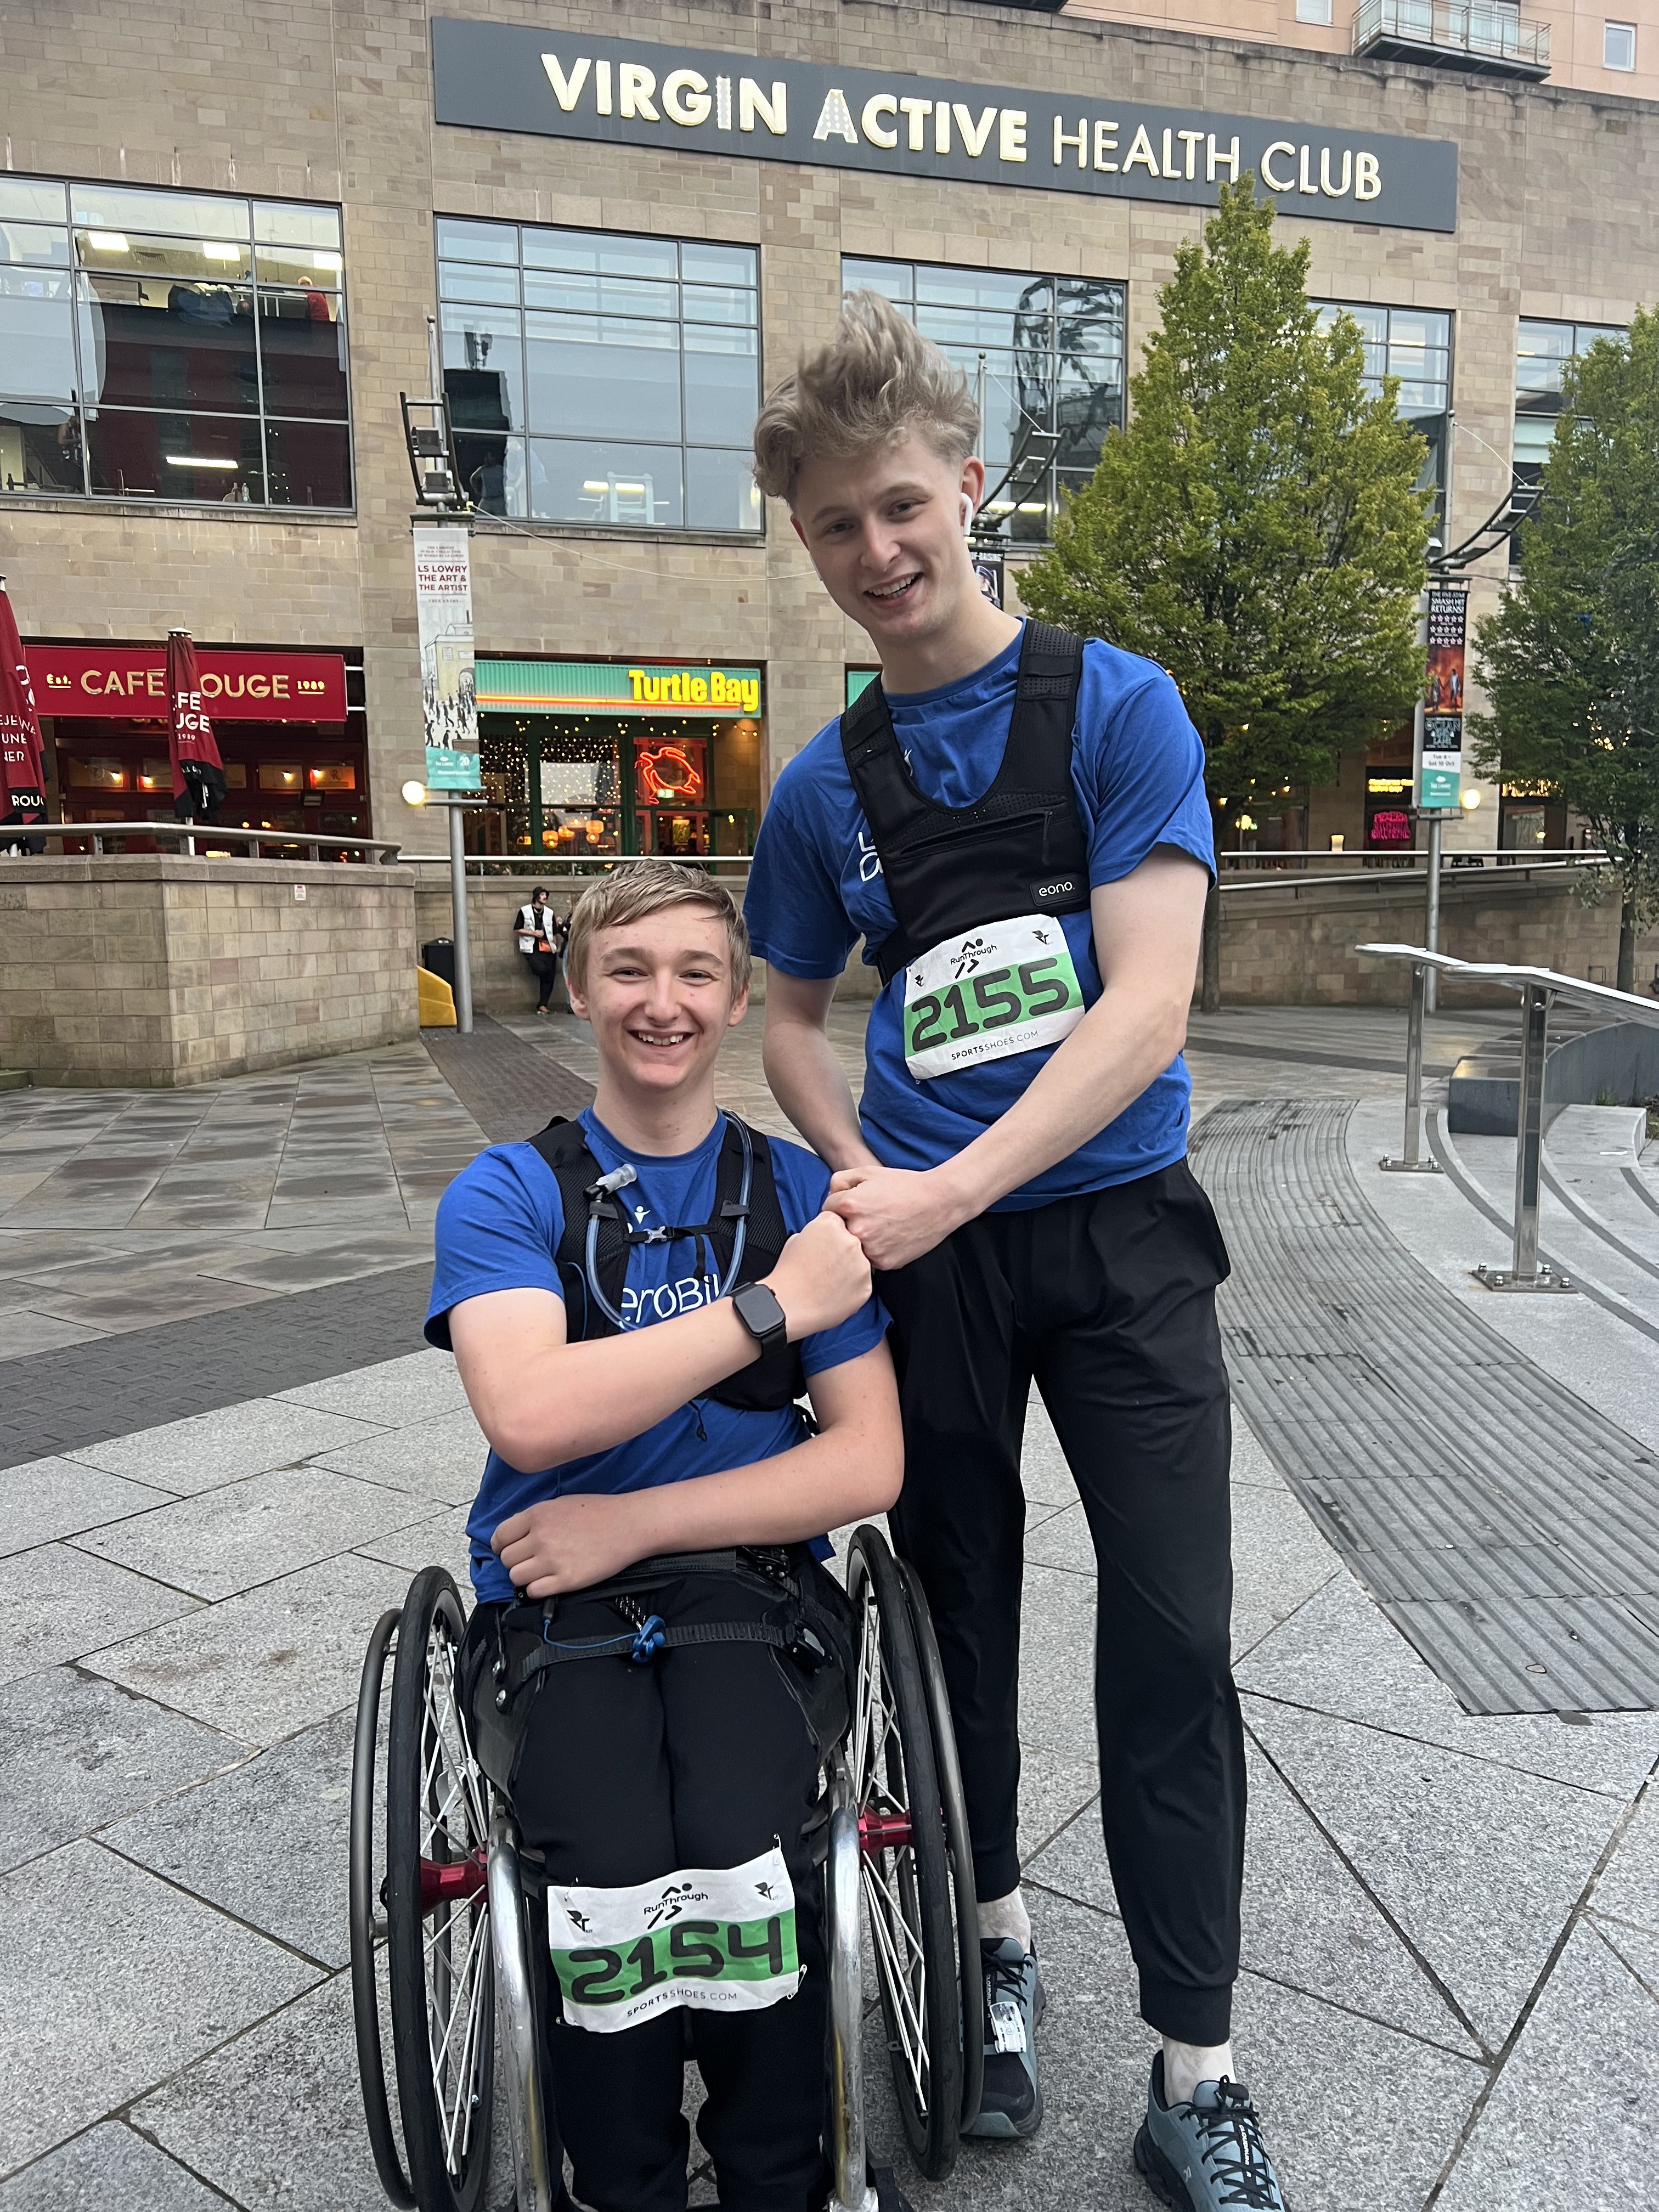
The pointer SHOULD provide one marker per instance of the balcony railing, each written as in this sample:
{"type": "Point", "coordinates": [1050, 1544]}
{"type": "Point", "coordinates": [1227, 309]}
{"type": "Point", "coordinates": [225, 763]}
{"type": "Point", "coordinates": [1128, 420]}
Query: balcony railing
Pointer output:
{"type": "Point", "coordinates": [1464, 36]}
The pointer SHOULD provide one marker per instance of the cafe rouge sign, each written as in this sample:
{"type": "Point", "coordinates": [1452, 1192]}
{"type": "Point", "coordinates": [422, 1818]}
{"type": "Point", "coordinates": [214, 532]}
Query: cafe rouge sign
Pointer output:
{"type": "Point", "coordinates": [236, 687]}
{"type": "Point", "coordinates": [502, 76]}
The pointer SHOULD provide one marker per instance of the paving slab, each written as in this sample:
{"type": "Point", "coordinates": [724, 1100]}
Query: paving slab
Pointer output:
{"type": "Point", "coordinates": [395, 1393]}
{"type": "Point", "coordinates": [81, 1752]}
{"type": "Point", "coordinates": [109, 2169]}
{"type": "Point", "coordinates": [275, 2118]}
{"type": "Point", "coordinates": [269, 1841]}
{"type": "Point", "coordinates": [1628, 1890]}
{"type": "Point", "coordinates": [263, 1665]}
{"type": "Point", "coordinates": [147, 1299]}
{"type": "Point", "coordinates": [1307, 1923]}
{"type": "Point", "coordinates": [1338, 1655]}
{"type": "Point", "coordinates": [205, 1450]}
{"type": "Point", "coordinates": [1480, 1865]}
{"type": "Point", "coordinates": [442, 1458]}
{"type": "Point", "coordinates": [45, 1499]}
{"type": "Point", "coordinates": [246, 1533]}
{"type": "Point", "coordinates": [58, 1603]}
{"type": "Point", "coordinates": [440, 1540]}
{"type": "Point", "coordinates": [92, 1943]}
{"type": "Point", "coordinates": [26, 1334]}
{"type": "Point", "coordinates": [1569, 2126]}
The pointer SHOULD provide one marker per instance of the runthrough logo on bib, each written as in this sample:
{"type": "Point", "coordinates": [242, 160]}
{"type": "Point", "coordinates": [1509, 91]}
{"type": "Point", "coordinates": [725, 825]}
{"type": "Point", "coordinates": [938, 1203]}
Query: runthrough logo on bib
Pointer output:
{"type": "Point", "coordinates": [989, 994]}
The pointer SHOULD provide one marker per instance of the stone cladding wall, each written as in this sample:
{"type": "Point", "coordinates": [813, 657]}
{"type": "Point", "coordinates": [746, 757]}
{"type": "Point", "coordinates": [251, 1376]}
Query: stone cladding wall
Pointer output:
{"type": "Point", "coordinates": [148, 970]}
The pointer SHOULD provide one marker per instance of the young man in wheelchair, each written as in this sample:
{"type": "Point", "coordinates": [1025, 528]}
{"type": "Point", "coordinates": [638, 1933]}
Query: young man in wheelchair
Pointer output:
{"type": "Point", "coordinates": [655, 1665]}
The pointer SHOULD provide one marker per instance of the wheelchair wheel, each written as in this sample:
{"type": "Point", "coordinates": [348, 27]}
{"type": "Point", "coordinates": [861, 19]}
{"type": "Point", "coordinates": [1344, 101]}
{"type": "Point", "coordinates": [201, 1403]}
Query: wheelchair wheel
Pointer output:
{"type": "Point", "coordinates": [438, 1934]}
{"type": "Point", "coordinates": [369, 1854]}
{"type": "Point", "coordinates": [904, 1854]}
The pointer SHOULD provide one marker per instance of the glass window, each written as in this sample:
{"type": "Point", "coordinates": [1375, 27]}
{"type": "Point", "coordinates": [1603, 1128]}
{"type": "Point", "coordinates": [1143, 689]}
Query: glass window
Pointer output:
{"type": "Point", "coordinates": [1543, 351]}
{"type": "Point", "coordinates": [1048, 355]}
{"type": "Point", "coordinates": [634, 362]}
{"type": "Point", "coordinates": [1619, 46]}
{"type": "Point", "coordinates": [187, 346]}
{"type": "Point", "coordinates": [1415, 344]}
{"type": "Point", "coordinates": [1313, 11]}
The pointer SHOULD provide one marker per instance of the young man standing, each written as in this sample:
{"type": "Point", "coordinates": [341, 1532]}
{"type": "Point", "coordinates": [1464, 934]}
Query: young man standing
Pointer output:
{"type": "Point", "coordinates": [1016, 825]}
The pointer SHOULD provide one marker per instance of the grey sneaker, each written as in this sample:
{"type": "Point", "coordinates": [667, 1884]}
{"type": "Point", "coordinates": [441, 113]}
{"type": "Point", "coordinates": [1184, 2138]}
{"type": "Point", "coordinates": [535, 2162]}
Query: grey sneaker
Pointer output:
{"type": "Point", "coordinates": [1012, 2105]}
{"type": "Point", "coordinates": [1207, 2155]}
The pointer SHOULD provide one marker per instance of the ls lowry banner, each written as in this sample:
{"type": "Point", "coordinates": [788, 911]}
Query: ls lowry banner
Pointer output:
{"type": "Point", "coordinates": [565, 84]}
{"type": "Point", "coordinates": [236, 687]}
{"type": "Point", "coordinates": [449, 697]}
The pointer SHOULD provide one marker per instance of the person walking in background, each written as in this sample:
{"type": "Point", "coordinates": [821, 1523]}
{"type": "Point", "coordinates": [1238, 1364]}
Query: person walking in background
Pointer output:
{"type": "Point", "coordinates": [540, 934]}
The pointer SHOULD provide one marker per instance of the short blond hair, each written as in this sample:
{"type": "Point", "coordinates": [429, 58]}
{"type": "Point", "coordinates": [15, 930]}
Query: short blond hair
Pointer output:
{"type": "Point", "coordinates": [648, 887]}
{"type": "Point", "coordinates": [878, 378]}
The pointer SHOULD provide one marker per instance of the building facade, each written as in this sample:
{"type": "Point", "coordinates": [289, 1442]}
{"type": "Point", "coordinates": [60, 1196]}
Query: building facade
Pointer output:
{"type": "Point", "coordinates": [232, 244]}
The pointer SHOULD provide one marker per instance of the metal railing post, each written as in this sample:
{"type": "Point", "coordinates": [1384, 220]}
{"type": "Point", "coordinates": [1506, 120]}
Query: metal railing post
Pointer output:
{"type": "Point", "coordinates": [1411, 1161]}
{"type": "Point", "coordinates": [1431, 917]}
{"type": "Point", "coordinates": [1524, 1273]}
{"type": "Point", "coordinates": [458, 908]}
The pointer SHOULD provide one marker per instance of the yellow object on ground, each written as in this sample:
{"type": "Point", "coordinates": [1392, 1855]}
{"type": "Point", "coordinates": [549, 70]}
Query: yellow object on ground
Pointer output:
{"type": "Point", "coordinates": [437, 1000]}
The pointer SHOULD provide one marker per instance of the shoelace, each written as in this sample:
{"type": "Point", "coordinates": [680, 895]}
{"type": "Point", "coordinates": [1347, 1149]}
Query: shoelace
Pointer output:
{"type": "Point", "coordinates": [1004, 1978]}
{"type": "Point", "coordinates": [1230, 2145]}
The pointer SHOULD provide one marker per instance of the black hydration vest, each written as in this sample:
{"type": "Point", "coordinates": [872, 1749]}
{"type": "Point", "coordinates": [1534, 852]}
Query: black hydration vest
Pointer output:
{"type": "Point", "coordinates": [1019, 849]}
{"type": "Point", "coordinates": [767, 1384]}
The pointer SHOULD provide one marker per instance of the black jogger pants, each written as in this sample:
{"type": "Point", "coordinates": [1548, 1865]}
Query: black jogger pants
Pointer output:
{"type": "Point", "coordinates": [1108, 1301]}
{"type": "Point", "coordinates": [628, 1773]}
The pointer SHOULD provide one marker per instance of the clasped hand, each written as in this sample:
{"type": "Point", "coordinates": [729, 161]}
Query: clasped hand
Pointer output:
{"type": "Point", "coordinates": [895, 1213]}
{"type": "Point", "coordinates": [569, 1543]}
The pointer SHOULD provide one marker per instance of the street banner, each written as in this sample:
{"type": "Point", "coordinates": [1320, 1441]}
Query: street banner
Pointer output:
{"type": "Point", "coordinates": [1441, 769]}
{"type": "Point", "coordinates": [190, 742]}
{"type": "Point", "coordinates": [22, 769]}
{"type": "Point", "coordinates": [449, 700]}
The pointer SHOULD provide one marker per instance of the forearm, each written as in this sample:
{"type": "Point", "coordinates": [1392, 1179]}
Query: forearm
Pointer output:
{"type": "Point", "coordinates": [572, 1400]}
{"type": "Point", "coordinates": [808, 1082]}
{"type": "Point", "coordinates": [1124, 1042]}
{"type": "Point", "coordinates": [822, 1483]}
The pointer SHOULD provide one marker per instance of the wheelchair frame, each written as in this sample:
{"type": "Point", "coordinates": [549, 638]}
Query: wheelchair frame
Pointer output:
{"type": "Point", "coordinates": [451, 1948]}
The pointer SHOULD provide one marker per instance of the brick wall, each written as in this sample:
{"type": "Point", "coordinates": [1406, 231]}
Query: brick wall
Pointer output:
{"type": "Point", "coordinates": [157, 971]}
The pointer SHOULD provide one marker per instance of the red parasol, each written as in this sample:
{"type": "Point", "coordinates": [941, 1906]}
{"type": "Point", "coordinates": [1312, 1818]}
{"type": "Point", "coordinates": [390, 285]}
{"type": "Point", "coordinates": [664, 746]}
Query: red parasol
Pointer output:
{"type": "Point", "coordinates": [22, 770]}
{"type": "Point", "coordinates": [190, 743]}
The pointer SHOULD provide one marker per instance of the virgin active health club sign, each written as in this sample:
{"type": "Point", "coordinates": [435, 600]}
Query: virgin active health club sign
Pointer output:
{"type": "Point", "coordinates": [560, 84]}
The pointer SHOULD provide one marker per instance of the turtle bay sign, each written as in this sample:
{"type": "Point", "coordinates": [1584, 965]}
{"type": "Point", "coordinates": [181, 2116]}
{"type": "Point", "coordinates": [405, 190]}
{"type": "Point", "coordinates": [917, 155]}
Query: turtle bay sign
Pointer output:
{"type": "Point", "coordinates": [561, 84]}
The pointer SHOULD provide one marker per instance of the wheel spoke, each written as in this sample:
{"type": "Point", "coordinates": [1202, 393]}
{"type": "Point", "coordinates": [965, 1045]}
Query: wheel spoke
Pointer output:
{"type": "Point", "coordinates": [908, 1995]}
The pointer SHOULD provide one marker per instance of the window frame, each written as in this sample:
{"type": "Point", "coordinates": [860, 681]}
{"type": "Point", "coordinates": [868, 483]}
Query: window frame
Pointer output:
{"type": "Point", "coordinates": [1357, 308]}
{"type": "Point", "coordinates": [520, 271]}
{"type": "Point", "coordinates": [1056, 476]}
{"type": "Point", "coordinates": [167, 201]}
{"type": "Point", "coordinates": [1608, 27]}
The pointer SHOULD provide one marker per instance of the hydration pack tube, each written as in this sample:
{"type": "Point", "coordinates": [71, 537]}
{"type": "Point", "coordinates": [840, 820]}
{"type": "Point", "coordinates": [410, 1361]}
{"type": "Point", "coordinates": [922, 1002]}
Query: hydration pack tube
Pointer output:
{"type": "Point", "coordinates": [740, 1244]}
{"type": "Point", "coordinates": [1019, 849]}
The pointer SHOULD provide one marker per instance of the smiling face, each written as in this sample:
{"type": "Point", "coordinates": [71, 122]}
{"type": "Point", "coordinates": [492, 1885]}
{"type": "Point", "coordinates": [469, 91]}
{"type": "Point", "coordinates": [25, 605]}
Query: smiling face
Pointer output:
{"type": "Point", "coordinates": [658, 994]}
{"type": "Point", "coordinates": [885, 529]}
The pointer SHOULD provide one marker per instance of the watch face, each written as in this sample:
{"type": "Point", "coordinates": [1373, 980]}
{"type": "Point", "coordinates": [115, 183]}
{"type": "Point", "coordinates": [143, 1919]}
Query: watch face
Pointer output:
{"type": "Point", "coordinates": [758, 1310]}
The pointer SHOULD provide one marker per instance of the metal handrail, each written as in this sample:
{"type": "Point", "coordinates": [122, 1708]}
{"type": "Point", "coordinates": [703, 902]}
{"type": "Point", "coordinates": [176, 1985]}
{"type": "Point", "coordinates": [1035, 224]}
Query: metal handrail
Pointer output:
{"type": "Point", "coordinates": [1288, 880]}
{"type": "Point", "coordinates": [582, 867]}
{"type": "Point", "coordinates": [1540, 987]}
{"type": "Point", "coordinates": [1483, 32]}
{"type": "Point", "coordinates": [1269, 856]}
{"type": "Point", "coordinates": [186, 834]}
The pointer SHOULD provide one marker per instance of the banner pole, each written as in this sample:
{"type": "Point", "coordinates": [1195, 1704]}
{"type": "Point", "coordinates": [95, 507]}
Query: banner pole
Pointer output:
{"type": "Point", "coordinates": [458, 929]}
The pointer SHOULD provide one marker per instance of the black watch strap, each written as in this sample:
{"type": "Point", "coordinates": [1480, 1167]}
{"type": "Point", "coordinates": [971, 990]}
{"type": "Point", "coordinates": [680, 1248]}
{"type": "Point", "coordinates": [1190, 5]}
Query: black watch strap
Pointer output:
{"type": "Point", "coordinates": [758, 1310]}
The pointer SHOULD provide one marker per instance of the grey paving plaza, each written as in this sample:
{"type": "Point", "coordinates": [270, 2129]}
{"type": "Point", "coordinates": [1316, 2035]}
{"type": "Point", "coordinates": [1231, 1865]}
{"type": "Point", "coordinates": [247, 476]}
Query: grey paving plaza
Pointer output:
{"type": "Point", "coordinates": [225, 1452]}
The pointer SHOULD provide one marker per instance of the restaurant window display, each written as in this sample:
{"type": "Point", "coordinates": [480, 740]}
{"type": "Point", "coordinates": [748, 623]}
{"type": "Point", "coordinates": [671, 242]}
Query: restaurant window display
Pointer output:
{"type": "Point", "coordinates": [181, 346]}
{"type": "Point", "coordinates": [291, 728]}
{"type": "Point", "coordinates": [602, 758]}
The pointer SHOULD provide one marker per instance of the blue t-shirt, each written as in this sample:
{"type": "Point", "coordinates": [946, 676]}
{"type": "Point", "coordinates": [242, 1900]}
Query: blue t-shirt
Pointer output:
{"type": "Point", "coordinates": [499, 1226]}
{"type": "Point", "coordinates": [816, 887]}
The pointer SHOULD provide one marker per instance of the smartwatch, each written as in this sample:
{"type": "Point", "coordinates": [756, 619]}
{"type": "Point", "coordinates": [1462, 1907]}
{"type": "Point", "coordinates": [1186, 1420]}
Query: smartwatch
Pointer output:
{"type": "Point", "coordinates": [757, 1308]}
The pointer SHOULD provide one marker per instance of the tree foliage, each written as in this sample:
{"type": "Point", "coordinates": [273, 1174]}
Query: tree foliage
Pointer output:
{"type": "Point", "coordinates": [1571, 661]}
{"type": "Point", "coordinates": [1255, 528]}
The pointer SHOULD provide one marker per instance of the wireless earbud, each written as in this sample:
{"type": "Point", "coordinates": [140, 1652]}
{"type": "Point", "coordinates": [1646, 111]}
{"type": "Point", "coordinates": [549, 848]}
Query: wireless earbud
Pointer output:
{"type": "Point", "coordinates": [967, 513]}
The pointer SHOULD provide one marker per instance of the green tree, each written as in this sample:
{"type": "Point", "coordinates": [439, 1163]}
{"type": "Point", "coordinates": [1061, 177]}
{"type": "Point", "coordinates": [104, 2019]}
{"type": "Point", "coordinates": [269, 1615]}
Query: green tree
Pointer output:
{"type": "Point", "coordinates": [1571, 659]}
{"type": "Point", "coordinates": [1256, 528]}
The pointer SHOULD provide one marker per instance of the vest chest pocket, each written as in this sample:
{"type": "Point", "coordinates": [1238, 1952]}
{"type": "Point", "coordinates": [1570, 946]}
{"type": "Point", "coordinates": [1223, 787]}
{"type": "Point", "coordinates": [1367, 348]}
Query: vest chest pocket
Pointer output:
{"type": "Point", "coordinates": [990, 994]}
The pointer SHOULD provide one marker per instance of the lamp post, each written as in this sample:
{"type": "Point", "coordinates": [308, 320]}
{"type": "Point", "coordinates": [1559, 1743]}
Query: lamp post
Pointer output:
{"type": "Point", "coordinates": [416, 794]}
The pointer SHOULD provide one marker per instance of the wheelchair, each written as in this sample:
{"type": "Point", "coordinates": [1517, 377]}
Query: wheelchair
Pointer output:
{"type": "Point", "coordinates": [441, 1936]}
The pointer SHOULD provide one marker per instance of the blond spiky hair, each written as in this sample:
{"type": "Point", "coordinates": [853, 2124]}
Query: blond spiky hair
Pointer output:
{"type": "Point", "coordinates": [878, 378]}
{"type": "Point", "coordinates": [632, 893]}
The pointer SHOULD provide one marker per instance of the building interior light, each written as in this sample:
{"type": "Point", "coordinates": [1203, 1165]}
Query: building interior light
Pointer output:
{"type": "Point", "coordinates": [1470, 800]}
{"type": "Point", "coordinates": [199, 461]}
{"type": "Point", "coordinates": [108, 242]}
{"type": "Point", "coordinates": [213, 249]}
{"type": "Point", "coordinates": [329, 263]}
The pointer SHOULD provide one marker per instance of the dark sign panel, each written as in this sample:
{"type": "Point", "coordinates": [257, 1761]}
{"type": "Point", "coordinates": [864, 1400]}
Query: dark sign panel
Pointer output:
{"type": "Point", "coordinates": [567, 84]}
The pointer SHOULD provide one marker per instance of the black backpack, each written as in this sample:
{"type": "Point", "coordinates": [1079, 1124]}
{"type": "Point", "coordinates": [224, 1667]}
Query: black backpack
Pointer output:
{"type": "Point", "coordinates": [766, 1385]}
